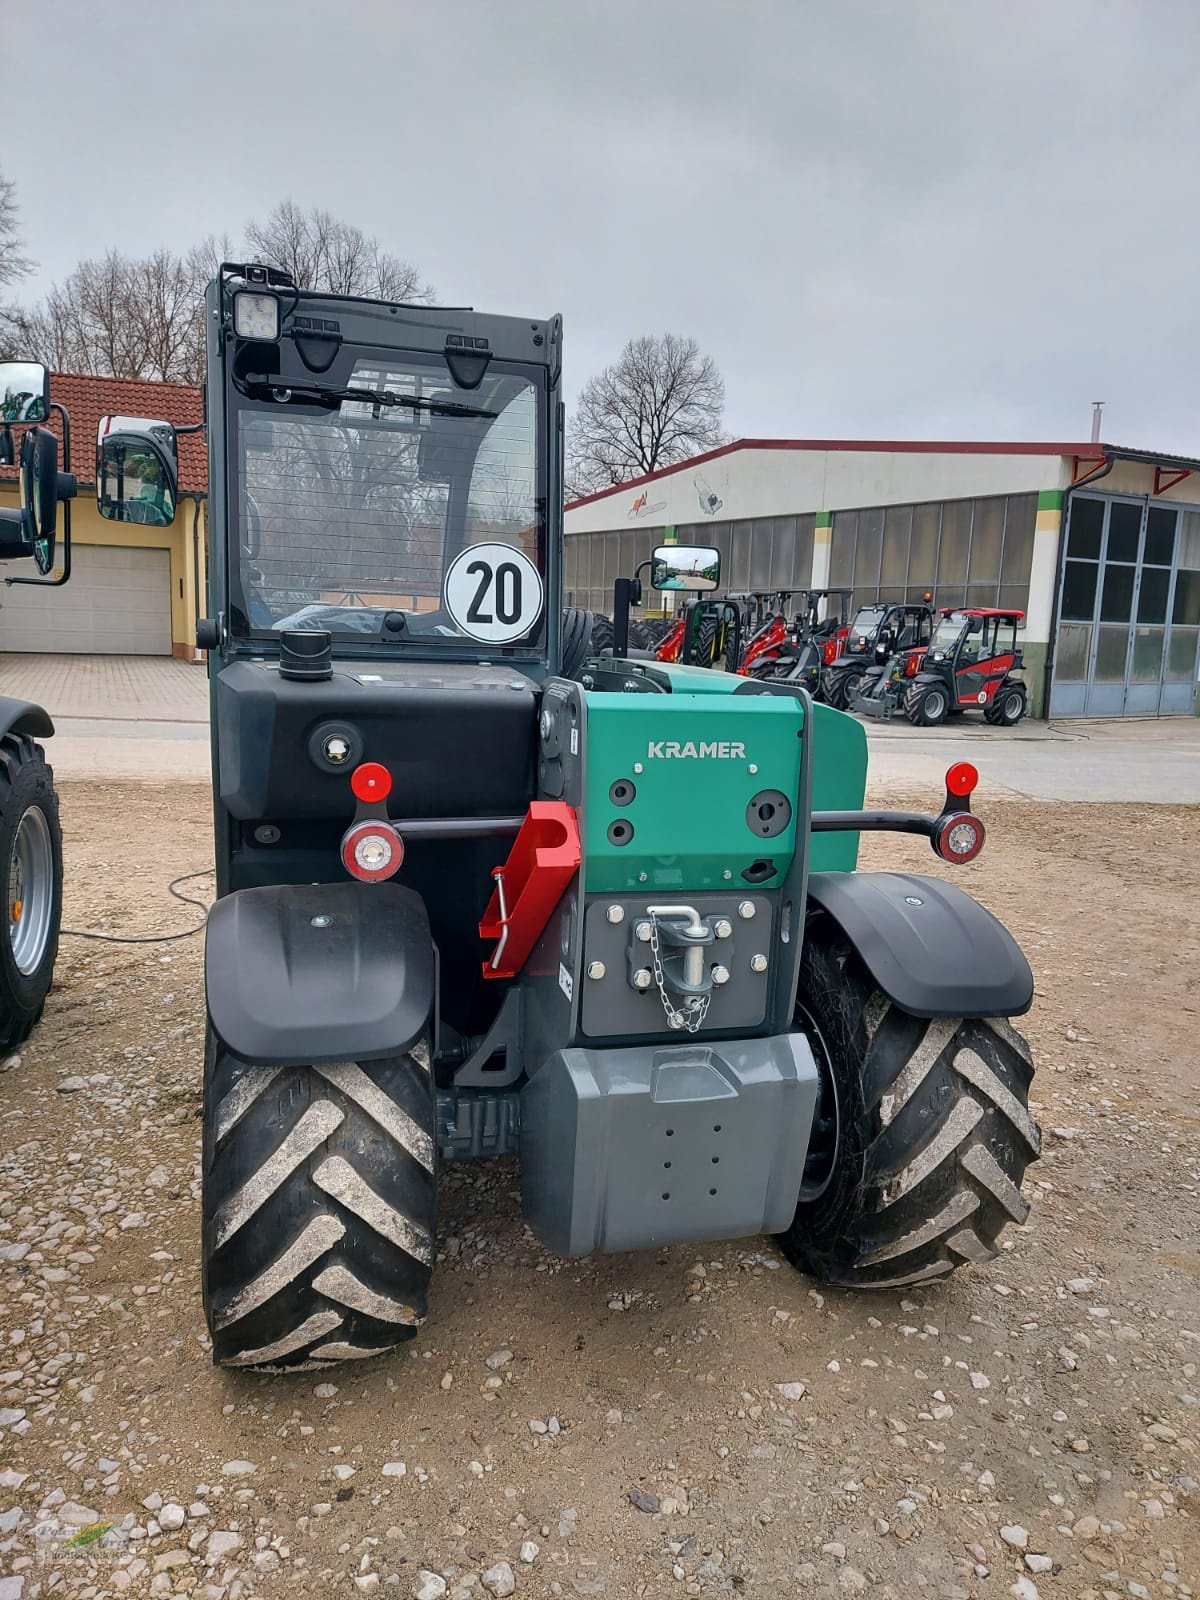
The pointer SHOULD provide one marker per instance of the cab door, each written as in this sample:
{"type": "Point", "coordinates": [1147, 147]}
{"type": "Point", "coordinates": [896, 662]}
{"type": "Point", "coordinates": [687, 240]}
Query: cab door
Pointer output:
{"type": "Point", "coordinates": [978, 676]}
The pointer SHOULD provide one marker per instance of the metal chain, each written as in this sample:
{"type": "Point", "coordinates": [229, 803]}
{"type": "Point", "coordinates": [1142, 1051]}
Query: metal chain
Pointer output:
{"type": "Point", "coordinates": [692, 1013]}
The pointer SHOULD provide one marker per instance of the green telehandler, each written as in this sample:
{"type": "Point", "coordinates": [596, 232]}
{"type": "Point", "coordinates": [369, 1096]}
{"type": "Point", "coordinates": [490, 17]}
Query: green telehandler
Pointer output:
{"type": "Point", "coordinates": [482, 893]}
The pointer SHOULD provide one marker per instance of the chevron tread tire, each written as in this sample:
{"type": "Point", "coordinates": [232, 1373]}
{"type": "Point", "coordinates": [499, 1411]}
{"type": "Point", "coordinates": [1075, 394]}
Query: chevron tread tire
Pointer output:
{"type": "Point", "coordinates": [933, 1131]}
{"type": "Point", "coordinates": [577, 628]}
{"type": "Point", "coordinates": [319, 1208]}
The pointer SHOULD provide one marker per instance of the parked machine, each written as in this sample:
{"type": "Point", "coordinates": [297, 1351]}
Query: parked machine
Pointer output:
{"type": "Point", "coordinates": [478, 898]}
{"type": "Point", "coordinates": [800, 638]}
{"type": "Point", "coordinates": [705, 632]}
{"type": "Point", "coordinates": [970, 664]}
{"type": "Point", "coordinates": [876, 633]}
{"type": "Point", "coordinates": [30, 833]}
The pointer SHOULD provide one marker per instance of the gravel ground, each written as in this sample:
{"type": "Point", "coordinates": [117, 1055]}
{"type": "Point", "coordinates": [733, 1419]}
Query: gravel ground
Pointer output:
{"type": "Point", "coordinates": [695, 1421]}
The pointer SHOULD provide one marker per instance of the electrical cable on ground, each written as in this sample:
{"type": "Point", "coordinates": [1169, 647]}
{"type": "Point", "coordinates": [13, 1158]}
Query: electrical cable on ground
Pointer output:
{"type": "Point", "coordinates": [153, 938]}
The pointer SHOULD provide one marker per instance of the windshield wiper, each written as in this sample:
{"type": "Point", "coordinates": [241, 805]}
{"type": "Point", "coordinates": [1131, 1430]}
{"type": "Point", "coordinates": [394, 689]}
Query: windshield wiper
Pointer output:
{"type": "Point", "coordinates": [375, 397]}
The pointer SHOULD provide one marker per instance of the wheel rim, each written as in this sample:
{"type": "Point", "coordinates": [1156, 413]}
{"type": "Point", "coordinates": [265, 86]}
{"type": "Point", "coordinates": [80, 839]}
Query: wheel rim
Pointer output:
{"type": "Point", "coordinates": [825, 1136]}
{"type": "Point", "coordinates": [30, 891]}
{"type": "Point", "coordinates": [935, 703]}
{"type": "Point", "coordinates": [1012, 708]}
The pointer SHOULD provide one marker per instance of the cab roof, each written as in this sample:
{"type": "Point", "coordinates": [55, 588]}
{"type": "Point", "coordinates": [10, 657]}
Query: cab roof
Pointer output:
{"type": "Point", "coordinates": [981, 611]}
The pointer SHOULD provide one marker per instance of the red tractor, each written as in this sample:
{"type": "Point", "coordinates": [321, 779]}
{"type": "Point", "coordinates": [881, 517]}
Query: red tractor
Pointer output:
{"type": "Point", "coordinates": [968, 665]}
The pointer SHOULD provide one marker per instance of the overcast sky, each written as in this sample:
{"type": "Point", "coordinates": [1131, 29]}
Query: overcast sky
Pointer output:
{"type": "Point", "coordinates": [932, 219]}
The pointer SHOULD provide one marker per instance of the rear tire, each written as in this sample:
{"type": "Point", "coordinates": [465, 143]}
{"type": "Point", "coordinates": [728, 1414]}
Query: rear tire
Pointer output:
{"type": "Point", "coordinates": [922, 1137]}
{"type": "Point", "coordinates": [319, 1208]}
{"type": "Point", "coordinates": [927, 705]}
{"type": "Point", "coordinates": [1009, 706]}
{"type": "Point", "coordinates": [577, 628]}
{"type": "Point", "coordinates": [31, 873]}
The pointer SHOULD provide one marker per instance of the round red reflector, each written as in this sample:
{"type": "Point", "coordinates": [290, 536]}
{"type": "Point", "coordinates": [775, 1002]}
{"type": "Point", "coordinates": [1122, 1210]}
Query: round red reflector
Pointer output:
{"type": "Point", "coordinates": [372, 851]}
{"type": "Point", "coordinates": [371, 781]}
{"type": "Point", "coordinates": [959, 838]}
{"type": "Point", "coordinates": [960, 780]}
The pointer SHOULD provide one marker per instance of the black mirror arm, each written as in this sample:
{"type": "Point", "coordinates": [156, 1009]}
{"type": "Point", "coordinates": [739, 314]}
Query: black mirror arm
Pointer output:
{"type": "Point", "coordinates": [65, 574]}
{"type": "Point", "coordinates": [67, 489]}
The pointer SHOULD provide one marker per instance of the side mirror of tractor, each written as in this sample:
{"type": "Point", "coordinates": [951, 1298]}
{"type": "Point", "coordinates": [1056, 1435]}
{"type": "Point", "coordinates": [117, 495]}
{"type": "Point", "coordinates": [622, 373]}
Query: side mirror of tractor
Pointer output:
{"type": "Point", "coordinates": [32, 530]}
{"type": "Point", "coordinates": [137, 471]}
{"type": "Point", "coordinates": [24, 391]}
{"type": "Point", "coordinates": [685, 566]}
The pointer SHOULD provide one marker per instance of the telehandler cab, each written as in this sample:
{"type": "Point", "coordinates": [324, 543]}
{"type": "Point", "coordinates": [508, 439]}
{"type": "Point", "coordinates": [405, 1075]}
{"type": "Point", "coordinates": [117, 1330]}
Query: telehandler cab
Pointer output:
{"type": "Point", "coordinates": [479, 895]}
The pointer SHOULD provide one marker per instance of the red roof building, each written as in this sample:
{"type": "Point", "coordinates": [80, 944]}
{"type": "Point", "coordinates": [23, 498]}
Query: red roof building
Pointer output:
{"type": "Point", "coordinates": [87, 399]}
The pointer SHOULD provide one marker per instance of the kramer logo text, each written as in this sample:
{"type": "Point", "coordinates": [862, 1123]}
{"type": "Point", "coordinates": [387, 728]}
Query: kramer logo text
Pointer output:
{"type": "Point", "coordinates": [669, 750]}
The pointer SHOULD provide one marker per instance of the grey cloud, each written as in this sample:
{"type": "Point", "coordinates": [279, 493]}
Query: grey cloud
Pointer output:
{"type": "Point", "coordinates": [903, 219]}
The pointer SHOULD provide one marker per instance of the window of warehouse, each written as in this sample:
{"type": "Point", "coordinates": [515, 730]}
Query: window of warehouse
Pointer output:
{"type": "Point", "coordinates": [758, 552]}
{"type": "Point", "coordinates": [965, 552]}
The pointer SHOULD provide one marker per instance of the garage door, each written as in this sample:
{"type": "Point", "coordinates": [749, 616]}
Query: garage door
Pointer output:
{"type": "Point", "coordinates": [1129, 610]}
{"type": "Point", "coordinates": [118, 602]}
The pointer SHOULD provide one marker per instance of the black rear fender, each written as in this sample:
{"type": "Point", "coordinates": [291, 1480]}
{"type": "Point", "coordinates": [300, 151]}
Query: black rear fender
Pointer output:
{"type": "Point", "coordinates": [314, 973]}
{"type": "Point", "coordinates": [24, 718]}
{"type": "Point", "coordinates": [933, 950]}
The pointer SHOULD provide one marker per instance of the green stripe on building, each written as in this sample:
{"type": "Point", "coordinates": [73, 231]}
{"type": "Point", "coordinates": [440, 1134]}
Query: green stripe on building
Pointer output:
{"type": "Point", "coordinates": [1050, 500]}
{"type": "Point", "coordinates": [824, 519]}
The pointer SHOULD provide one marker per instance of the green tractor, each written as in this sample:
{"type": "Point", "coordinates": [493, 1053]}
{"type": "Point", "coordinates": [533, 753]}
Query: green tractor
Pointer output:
{"type": "Point", "coordinates": [480, 895]}
{"type": "Point", "coordinates": [31, 870]}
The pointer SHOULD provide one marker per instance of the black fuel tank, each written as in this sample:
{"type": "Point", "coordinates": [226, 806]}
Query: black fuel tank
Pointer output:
{"type": "Point", "coordinates": [459, 740]}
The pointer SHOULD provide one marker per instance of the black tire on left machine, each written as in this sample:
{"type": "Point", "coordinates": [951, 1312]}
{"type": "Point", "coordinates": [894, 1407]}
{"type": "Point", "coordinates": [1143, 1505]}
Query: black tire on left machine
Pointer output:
{"type": "Point", "coordinates": [32, 867]}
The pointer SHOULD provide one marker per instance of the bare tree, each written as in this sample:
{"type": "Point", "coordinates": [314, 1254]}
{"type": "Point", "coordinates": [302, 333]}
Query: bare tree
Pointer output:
{"type": "Point", "coordinates": [660, 402]}
{"type": "Point", "coordinates": [122, 318]}
{"type": "Point", "coordinates": [13, 264]}
{"type": "Point", "coordinates": [324, 253]}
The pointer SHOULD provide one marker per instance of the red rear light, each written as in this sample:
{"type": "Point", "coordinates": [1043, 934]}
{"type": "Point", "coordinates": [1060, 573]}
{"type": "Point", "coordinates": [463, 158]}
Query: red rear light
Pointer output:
{"type": "Point", "coordinates": [372, 851]}
{"type": "Point", "coordinates": [910, 667]}
{"type": "Point", "coordinates": [959, 837]}
{"type": "Point", "coordinates": [962, 779]}
{"type": "Point", "coordinates": [371, 782]}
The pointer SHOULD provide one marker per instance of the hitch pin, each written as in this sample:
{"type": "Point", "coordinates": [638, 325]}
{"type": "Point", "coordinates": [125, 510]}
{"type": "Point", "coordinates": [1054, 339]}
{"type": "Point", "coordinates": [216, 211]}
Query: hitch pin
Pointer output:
{"type": "Point", "coordinates": [693, 956]}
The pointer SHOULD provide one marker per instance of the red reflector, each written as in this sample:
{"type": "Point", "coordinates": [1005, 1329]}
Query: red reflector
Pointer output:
{"type": "Point", "coordinates": [960, 780]}
{"type": "Point", "coordinates": [959, 838]}
{"type": "Point", "coordinates": [372, 851]}
{"type": "Point", "coordinates": [371, 782]}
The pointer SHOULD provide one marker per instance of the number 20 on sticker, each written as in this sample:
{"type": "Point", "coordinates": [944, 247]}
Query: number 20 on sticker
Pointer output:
{"type": "Point", "coordinates": [493, 593]}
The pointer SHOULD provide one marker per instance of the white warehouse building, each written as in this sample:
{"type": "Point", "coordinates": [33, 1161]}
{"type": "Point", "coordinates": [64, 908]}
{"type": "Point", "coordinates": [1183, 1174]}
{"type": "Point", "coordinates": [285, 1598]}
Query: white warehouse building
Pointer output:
{"type": "Point", "coordinates": [1098, 544]}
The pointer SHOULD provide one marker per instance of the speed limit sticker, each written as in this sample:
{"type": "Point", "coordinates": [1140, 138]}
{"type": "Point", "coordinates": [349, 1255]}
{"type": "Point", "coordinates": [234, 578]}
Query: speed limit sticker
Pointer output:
{"type": "Point", "coordinates": [493, 593]}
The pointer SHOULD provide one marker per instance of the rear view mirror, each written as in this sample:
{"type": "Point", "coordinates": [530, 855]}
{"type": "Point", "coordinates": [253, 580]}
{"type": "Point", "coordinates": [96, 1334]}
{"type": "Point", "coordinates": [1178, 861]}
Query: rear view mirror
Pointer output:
{"type": "Point", "coordinates": [24, 391]}
{"type": "Point", "coordinates": [685, 566]}
{"type": "Point", "coordinates": [137, 471]}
